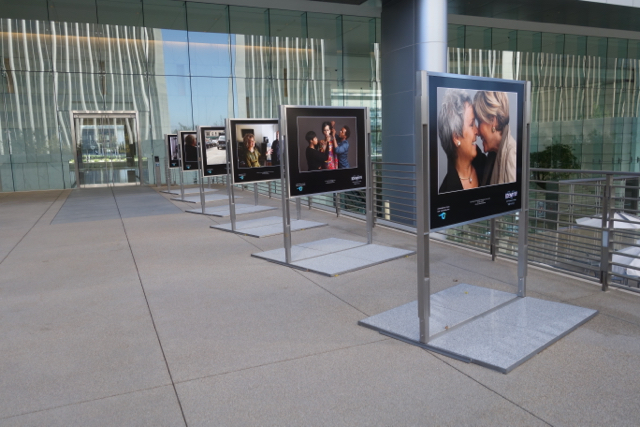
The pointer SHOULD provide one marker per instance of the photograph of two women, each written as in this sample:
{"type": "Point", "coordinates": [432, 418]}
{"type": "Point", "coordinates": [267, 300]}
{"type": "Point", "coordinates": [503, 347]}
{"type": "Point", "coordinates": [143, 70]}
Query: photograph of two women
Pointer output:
{"type": "Point", "coordinates": [476, 138]}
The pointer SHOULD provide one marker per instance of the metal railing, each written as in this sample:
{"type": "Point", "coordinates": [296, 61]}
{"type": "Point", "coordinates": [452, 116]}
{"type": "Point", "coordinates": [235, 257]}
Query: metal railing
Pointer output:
{"type": "Point", "coordinates": [566, 226]}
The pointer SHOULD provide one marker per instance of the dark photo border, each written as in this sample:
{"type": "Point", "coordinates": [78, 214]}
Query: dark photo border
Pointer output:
{"type": "Point", "coordinates": [188, 165]}
{"type": "Point", "coordinates": [243, 175]}
{"type": "Point", "coordinates": [173, 163]}
{"type": "Point", "coordinates": [210, 170]}
{"type": "Point", "coordinates": [325, 181]}
{"type": "Point", "coordinates": [458, 207]}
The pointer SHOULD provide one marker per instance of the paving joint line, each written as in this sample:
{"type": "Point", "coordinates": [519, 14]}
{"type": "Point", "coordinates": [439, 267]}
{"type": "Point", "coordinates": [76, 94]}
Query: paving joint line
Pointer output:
{"type": "Point", "coordinates": [153, 322]}
{"type": "Point", "coordinates": [31, 228]}
{"type": "Point", "coordinates": [83, 402]}
{"type": "Point", "coordinates": [330, 293]}
{"type": "Point", "coordinates": [440, 358]}
{"type": "Point", "coordinates": [292, 359]}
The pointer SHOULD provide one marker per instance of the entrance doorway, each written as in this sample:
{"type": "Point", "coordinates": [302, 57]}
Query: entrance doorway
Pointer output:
{"type": "Point", "coordinates": [107, 147]}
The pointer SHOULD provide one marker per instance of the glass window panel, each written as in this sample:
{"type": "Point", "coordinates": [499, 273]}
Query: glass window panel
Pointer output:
{"type": "Point", "coordinates": [552, 43]}
{"type": "Point", "coordinates": [575, 45]}
{"type": "Point", "coordinates": [325, 49]}
{"type": "Point", "coordinates": [634, 49]}
{"type": "Point", "coordinates": [502, 39]}
{"type": "Point", "coordinates": [15, 34]}
{"type": "Point", "coordinates": [207, 18]}
{"type": "Point", "coordinates": [477, 37]}
{"type": "Point", "coordinates": [25, 9]}
{"type": "Point", "coordinates": [288, 44]}
{"type": "Point", "coordinates": [212, 100]}
{"type": "Point", "coordinates": [168, 52]}
{"type": "Point", "coordinates": [120, 12]}
{"type": "Point", "coordinates": [455, 35]}
{"type": "Point", "coordinates": [253, 98]}
{"type": "Point", "coordinates": [597, 46]}
{"type": "Point", "coordinates": [79, 91]}
{"type": "Point", "coordinates": [358, 40]}
{"type": "Point", "coordinates": [77, 47]}
{"type": "Point", "coordinates": [529, 41]}
{"type": "Point", "coordinates": [73, 11]}
{"type": "Point", "coordinates": [248, 21]}
{"type": "Point", "coordinates": [125, 92]}
{"type": "Point", "coordinates": [208, 40]}
{"type": "Point", "coordinates": [285, 23]}
{"type": "Point", "coordinates": [171, 95]}
{"type": "Point", "coordinates": [325, 92]}
{"type": "Point", "coordinates": [248, 55]}
{"type": "Point", "coordinates": [123, 49]}
{"type": "Point", "coordinates": [165, 14]}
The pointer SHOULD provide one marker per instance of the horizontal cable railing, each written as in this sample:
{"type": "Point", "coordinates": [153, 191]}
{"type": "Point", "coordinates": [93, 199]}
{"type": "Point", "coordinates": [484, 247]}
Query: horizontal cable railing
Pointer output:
{"type": "Point", "coordinates": [566, 229]}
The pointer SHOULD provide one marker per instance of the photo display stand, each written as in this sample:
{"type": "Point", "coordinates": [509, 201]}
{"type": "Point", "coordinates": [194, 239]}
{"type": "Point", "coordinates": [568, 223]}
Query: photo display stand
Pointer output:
{"type": "Point", "coordinates": [173, 158]}
{"type": "Point", "coordinates": [326, 150]}
{"type": "Point", "coordinates": [237, 132]}
{"type": "Point", "coordinates": [212, 161]}
{"type": "Point", "coordinates": [495, 329]}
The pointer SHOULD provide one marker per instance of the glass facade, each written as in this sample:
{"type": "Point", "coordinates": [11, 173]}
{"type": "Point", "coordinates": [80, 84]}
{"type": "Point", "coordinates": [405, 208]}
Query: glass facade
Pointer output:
{"type": "Point", "coordinates": [585, 92]}
{"type": "Point", "coordinates": [176, 64]}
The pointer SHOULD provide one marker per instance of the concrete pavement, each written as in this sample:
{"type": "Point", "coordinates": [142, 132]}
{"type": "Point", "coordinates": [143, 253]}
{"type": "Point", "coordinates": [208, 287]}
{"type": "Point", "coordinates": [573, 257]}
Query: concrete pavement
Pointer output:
{"type": "Point", "coordinates": [156, 319]}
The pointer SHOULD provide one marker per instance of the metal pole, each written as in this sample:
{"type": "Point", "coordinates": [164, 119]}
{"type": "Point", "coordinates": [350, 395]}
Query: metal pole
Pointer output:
{"type": "Point", "coordinates": [230, 189]}
{"type": "Point", "coordinates": [255, 193]}
{"type": "Point", "coordinates": [284, 180]}
{"type": "Point", "coordinates": [369, 189]}
{"type": "Point", "coordinates": [181, 181]}
{"type": "Point", "coordinates": [168, 176]}
{"type": "Point", "coordinates": [335, 202]}
{"type": "Point", "coordinates": [493, 249]}
{"type": "Point", "coordinates": [201, 171]}
{"type": "Point", "coordinates": [523, 223]}
{"type": "Point", "coordinates": [309, 200]}
{"type": "Point", "coordinates": [422, 206]}
{"type": "Point", "coordinates": [298, 208]}
{"type": "Point", "coordinates": [607, 220]}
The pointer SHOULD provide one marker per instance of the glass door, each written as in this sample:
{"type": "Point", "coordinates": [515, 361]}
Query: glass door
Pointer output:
{"type": "Point", "coordinates": [107, 149]}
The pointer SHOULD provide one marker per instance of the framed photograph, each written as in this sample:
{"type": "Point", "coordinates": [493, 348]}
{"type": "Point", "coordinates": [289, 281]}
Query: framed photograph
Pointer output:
{"type": "Point", "coordinates": [326, 147]}
{"type": "Point", "coordinates": [189, 146]}
{"type": "Point", "coordinates": [173, 150]}
{"type": "Point", "coordinates": [475, 147]}
{"type": "Point", "coordinates": [251, 149]}
{"type": "Point", "coordinates": [213, 143]}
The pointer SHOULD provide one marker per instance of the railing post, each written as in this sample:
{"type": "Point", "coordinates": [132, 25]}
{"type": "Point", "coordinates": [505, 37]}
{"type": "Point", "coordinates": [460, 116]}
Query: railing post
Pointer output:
{"type": "Point", "coordinates": [607, 221]}
{"type": "Point", "coordinates": [493, 247]}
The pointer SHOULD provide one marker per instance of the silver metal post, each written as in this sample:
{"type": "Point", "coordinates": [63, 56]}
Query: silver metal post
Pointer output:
{"type": "Point", "coordinates": [181, 181]}
{"type": "Point", "coordinates": [493, 249]}
{"type": "Point", "coordinates": [230, 189]}
{"type": "Point", "coordinates": [335, 202]}
{"type": "Point", "coordinates": [298, 208]}
{"type": "Point", "coordinates": [607, 220]}
{"type": "Point", "coordinates": [284, 181]}
{"type": "Point", "coordinates": [269, 187]}
{"type": "Point", "coordinates": [201, 171]}
{"type": "Point", "coordinates": [523, 223]}
{"type": "Point", "coordinates": [369, 189]}
{"type": "Point", "coordinates": [255, 193]}
{"type": "Point", "coordinates": [422, 207]}
{"type": "Point", "coordinates": [309, 200]}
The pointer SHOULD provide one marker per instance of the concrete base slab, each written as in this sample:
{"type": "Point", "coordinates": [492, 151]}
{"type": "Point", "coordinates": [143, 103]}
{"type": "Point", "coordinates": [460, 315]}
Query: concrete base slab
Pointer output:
{"type": "Point", "coordinates": [490, 328]}
{"type": "Point", "coordinates": [213, 197]}
{"type": "Point", "coordinates": [223, 211]}
{"type": "Point", "coordinates": [193, 190]}
{"type": "Point", "coordinates": [332, 257]}
{"type": "Point", "coordinates": [269, 226]}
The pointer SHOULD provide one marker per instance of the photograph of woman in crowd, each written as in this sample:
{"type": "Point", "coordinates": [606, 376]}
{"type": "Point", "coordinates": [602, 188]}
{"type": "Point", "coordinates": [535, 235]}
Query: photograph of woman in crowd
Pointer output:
{"type": "Point", "coordinates": [492, 112]}
{"type": "Point", "coordinates": [458, 132]}
{"type": "Point", "coordinates": [316, 159]}
{"type": "Point", "coordinates": [252, 156]}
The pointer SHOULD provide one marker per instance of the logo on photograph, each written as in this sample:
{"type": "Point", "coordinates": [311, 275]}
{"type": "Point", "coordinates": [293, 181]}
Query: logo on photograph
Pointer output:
{"type": "Point", "coordinates": [443, 215]}
{"type": "Point", "coordinates": [241, 176]}
{"type": "Point", "coordinates": [209, 170]}
{"type": "Point", "coordinates": [510, 194]}
{"type": "Point", "coordinates": [299, 187]}
{"type": "Point", "coordinates": [188, 166]}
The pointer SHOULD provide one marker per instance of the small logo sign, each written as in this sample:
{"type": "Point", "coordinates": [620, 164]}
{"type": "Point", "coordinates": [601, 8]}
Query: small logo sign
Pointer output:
{"type": "Point", "coordinates": [209, 170]}
{"type": "Point", "coordinates": [188, 166]}
{"type": "Point", "coordinates": [299, 188]}
{"type": "Point", "coordinates": [510, 194]}
{"type": "Point", "coordinates": [241, 176]}
{"type": "Point", "coordinates": [443, 215]}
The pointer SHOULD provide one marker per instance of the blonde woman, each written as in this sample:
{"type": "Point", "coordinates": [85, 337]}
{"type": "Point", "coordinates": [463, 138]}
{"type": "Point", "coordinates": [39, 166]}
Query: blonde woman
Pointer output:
{"type": "Point", "coordinates": [492, 113]}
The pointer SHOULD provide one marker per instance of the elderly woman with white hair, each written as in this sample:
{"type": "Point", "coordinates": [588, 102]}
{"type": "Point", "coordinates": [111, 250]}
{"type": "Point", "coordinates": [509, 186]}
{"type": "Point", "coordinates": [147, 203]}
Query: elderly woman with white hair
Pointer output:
{"type": "Point", "coordinates": [492, 112]}
{"type": "Point", "coordinates": [458, 133]}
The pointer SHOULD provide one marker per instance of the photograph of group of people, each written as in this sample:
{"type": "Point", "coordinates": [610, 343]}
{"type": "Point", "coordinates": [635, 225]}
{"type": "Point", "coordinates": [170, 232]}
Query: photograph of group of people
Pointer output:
{"type": "Point", "coordinates": [476, 138]}
{"type": "Point", "coordinates": [326, 143]}
{"type": "Point", "coordinates": [174, 150]}
{"type": "Point", "coordinates": [257, 145]}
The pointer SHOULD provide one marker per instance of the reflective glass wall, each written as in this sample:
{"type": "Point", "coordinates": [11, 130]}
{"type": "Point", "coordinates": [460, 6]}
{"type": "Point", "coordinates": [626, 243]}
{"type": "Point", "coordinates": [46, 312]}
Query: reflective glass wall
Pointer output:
{"type": "Point", "coordinates": [585, 91]}
{"type": "Point", "coordinates": [178, 64]}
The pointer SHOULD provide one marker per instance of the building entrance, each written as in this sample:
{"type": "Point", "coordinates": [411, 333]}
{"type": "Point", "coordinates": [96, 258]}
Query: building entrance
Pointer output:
{"type": "Point", "coordinates": [107, 149]}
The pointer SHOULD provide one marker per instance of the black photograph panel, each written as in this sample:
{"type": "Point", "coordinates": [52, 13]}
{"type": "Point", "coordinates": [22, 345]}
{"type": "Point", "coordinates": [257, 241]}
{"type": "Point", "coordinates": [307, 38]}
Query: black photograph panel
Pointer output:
{"type": "Point", "coordinates": [475, 148]}
{"type": "Point", "coordinates": [214, 150]}
{"type": "Point", "coordinates": [252, 144]}
{"type": "Point", "coordinates": [173, 150]}
{"type": "Point", "coordinates": [189, 145]}
{"type": "Point", "coordinates": [327, 149]}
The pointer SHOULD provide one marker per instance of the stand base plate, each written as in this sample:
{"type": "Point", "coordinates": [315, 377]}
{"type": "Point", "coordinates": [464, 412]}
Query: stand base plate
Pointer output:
{"type": "Point", "coordinates": [269, 226]}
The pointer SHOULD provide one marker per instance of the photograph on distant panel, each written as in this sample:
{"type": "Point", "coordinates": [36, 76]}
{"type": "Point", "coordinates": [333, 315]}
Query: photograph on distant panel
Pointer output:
{"type": "Point", "coordinates": [252, 144]}
{"type": "Point", "coordinates": [214, 150]}
{"type": "Point", "coordinates": [173, 150]}
{"type": "Point", "coordinates": [189, 144]}
{"type": "Point", "coordinates": [475, 143]}
{"type": "Point", "coordinates": [327, 149]}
